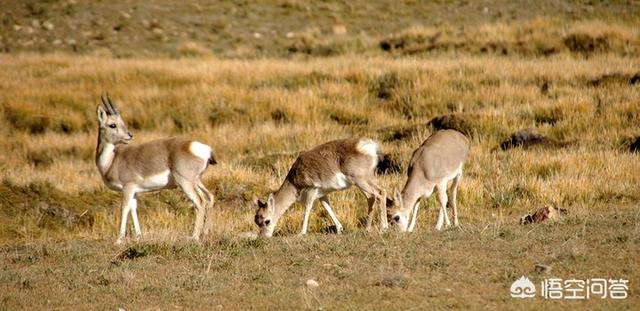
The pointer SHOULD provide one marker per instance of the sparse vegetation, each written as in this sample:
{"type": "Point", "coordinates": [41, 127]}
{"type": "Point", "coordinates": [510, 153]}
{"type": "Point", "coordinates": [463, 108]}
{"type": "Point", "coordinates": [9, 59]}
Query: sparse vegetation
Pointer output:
{"type": "Point", "coordinates": [235, 79]}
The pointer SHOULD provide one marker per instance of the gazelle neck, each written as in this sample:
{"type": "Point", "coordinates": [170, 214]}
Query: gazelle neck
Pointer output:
{"type": "Point", "coordinates": [410, 195]}
{"type": "Point", "coordinates": [105, 152]}
{"type": "Point", "coordinates": [284, 197]}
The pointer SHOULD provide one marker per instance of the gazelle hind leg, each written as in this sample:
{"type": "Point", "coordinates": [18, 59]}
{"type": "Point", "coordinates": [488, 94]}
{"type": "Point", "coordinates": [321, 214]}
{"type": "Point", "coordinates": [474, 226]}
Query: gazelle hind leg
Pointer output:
{"type": "Point", "coordinates": [207, 198]}
{"type": "Point", "coordinates": [327, 206]}
{"type": "Point", "coordinates": [373, 194]}
{"type": "Point", "coordinates": [205, 195]}
{"type": "Point", "coordinates": [190, 190]}
{"type": "Point", "coordinates": [371, 202]}
{"type": "Point", "coordinates": [134, 216]}
{"type": "Point", "coordinates": [442, 197]}
{"type": "Point", "coordinates": [453, 198]}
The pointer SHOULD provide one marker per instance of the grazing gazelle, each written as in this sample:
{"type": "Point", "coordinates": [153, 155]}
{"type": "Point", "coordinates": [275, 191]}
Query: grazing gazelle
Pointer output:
{"type": "Point", "coordinates": [436, 162]}
{"type": "Point", "coordinates": [332, 166]}
{"type": "Point", "coordinates": [155, 165]}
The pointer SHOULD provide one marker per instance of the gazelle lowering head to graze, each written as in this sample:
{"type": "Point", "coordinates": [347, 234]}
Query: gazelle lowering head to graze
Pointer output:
{"type": "Point", "coordinates": [333, 166]}
{"type": "Point", "coordinates": [155, 165]}
{"type": "Point", "coordinates": [436, 162]}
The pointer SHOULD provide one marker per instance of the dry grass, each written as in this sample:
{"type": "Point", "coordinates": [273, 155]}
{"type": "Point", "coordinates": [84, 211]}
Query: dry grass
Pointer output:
{"type": "Point", "coordinates": [258, 115]}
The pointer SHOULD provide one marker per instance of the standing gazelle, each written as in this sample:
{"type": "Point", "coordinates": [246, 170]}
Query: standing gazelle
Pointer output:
{"type": "Point", "coordinates": [154, 165]}
{"type": "Point", "coordinates": [332, 166]}
{"type": "Point", "coordinates": [436, 162]}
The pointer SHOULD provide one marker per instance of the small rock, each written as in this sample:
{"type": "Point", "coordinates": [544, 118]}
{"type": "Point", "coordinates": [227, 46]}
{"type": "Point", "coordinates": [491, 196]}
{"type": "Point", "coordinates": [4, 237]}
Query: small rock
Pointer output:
{"type": "Point", "coordinates": [289, 34]}
{"type": "Point", "coordinates": [528, 137]}
{"type": "Point", "coordinates": [47, 25]}
{"type": "Point", "coordinates": [458, 122]}
{"type": "Point", "coordinates": [311, 283]}
{"type": "Point", "coordinates": [540, 268]}
{"type": "Point", "coordinates": [70, 41]}
{"type": "Point", "coordinates": [339, 30]}
{"type": "Point", "coordinates": [257, 35]}
{"type": "Point", "coordinates": [35, 23]}
{"type": "Point", "coordinates": [17, 27]}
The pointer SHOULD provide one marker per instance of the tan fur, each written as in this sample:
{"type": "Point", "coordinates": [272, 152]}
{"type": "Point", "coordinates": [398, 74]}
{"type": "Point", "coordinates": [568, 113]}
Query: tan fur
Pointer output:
{"type": "Point", "coordinates": [437, 161]}
{"type": "Point", "coordinates": [332, 166]}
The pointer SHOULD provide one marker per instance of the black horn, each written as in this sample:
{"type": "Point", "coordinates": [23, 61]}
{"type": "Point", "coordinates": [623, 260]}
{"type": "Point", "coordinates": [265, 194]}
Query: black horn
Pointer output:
{"type": "Point", "coordinates": [105, 104]}
{"type": "Point", "coordinates": [111, 105]}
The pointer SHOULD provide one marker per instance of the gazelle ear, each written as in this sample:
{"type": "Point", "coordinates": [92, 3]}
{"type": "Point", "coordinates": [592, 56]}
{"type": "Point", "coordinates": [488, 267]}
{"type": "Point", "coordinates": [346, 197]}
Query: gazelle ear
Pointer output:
{"type": "Point", "coordinates": [102, 114]}
{"type": "Point", "coordinates": [397, 197]}
{"type": "Point", "coordinates": [271, 201]}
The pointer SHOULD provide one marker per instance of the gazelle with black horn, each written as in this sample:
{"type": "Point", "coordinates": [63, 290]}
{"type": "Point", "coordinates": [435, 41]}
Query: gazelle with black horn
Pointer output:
{"type": "Point", "coordinates": [434, 164]}
{"type": "Point", "coordinates": [154, 165]}
{"type": "Point", "coordinates": [332, 166]}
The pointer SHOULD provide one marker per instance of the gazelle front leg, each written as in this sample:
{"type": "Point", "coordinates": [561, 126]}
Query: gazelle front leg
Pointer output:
{"type": "Point", "coordinates": [307, 199]}
{"type": "Point", "coordinates": [414, 216]}
{"type": "Point", "coordinates": [325, 203]}
{"type": "Point", "coordinates": [128, 194]}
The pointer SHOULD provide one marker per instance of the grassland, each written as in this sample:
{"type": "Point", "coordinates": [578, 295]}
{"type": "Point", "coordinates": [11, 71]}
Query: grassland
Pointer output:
{"type": "Point", "coordinates": [258, 115]}
{"type": "Point", "coordinates": [570, 75]}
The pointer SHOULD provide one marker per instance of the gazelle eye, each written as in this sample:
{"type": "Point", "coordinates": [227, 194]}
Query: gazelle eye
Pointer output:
{"type": "Point", "coordinates": [112, 126]}
{"type": "Point", "coordinates": [396, 218]}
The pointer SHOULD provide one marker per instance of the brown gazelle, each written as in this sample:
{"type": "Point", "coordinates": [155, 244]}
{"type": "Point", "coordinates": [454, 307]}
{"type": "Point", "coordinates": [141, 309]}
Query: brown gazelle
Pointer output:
{"type": "Point", "coordinates": [332, 166]}
{"type": "Point", "coordinates": [154, 165]}
{"type": "Point", "coordinates": [437, 161]}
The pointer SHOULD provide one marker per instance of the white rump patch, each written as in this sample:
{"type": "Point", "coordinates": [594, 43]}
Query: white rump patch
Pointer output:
{"type": "Point", "coordinates": [200, 150]}
{"type": "Point", "coordinates": [156, 181]}
{"type": "Point", "coordinates": [368, 147]}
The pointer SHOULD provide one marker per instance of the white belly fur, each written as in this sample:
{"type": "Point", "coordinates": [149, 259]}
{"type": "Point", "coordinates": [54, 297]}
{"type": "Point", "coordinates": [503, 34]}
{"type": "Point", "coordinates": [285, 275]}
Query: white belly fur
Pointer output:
{"type": "Point", "coordinates": [159, 180]}
{"type": "Point", "coordinates": [339, 182]}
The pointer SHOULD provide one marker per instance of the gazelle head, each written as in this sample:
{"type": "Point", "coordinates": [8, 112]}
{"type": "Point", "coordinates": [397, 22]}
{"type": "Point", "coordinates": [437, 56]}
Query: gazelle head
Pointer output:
{"type": "Point", "coordinates": [397, 215]}
{"type": "Point", "coordinates": [265, 217]}
{"type": "Point", "coordinates": [112, 127]}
